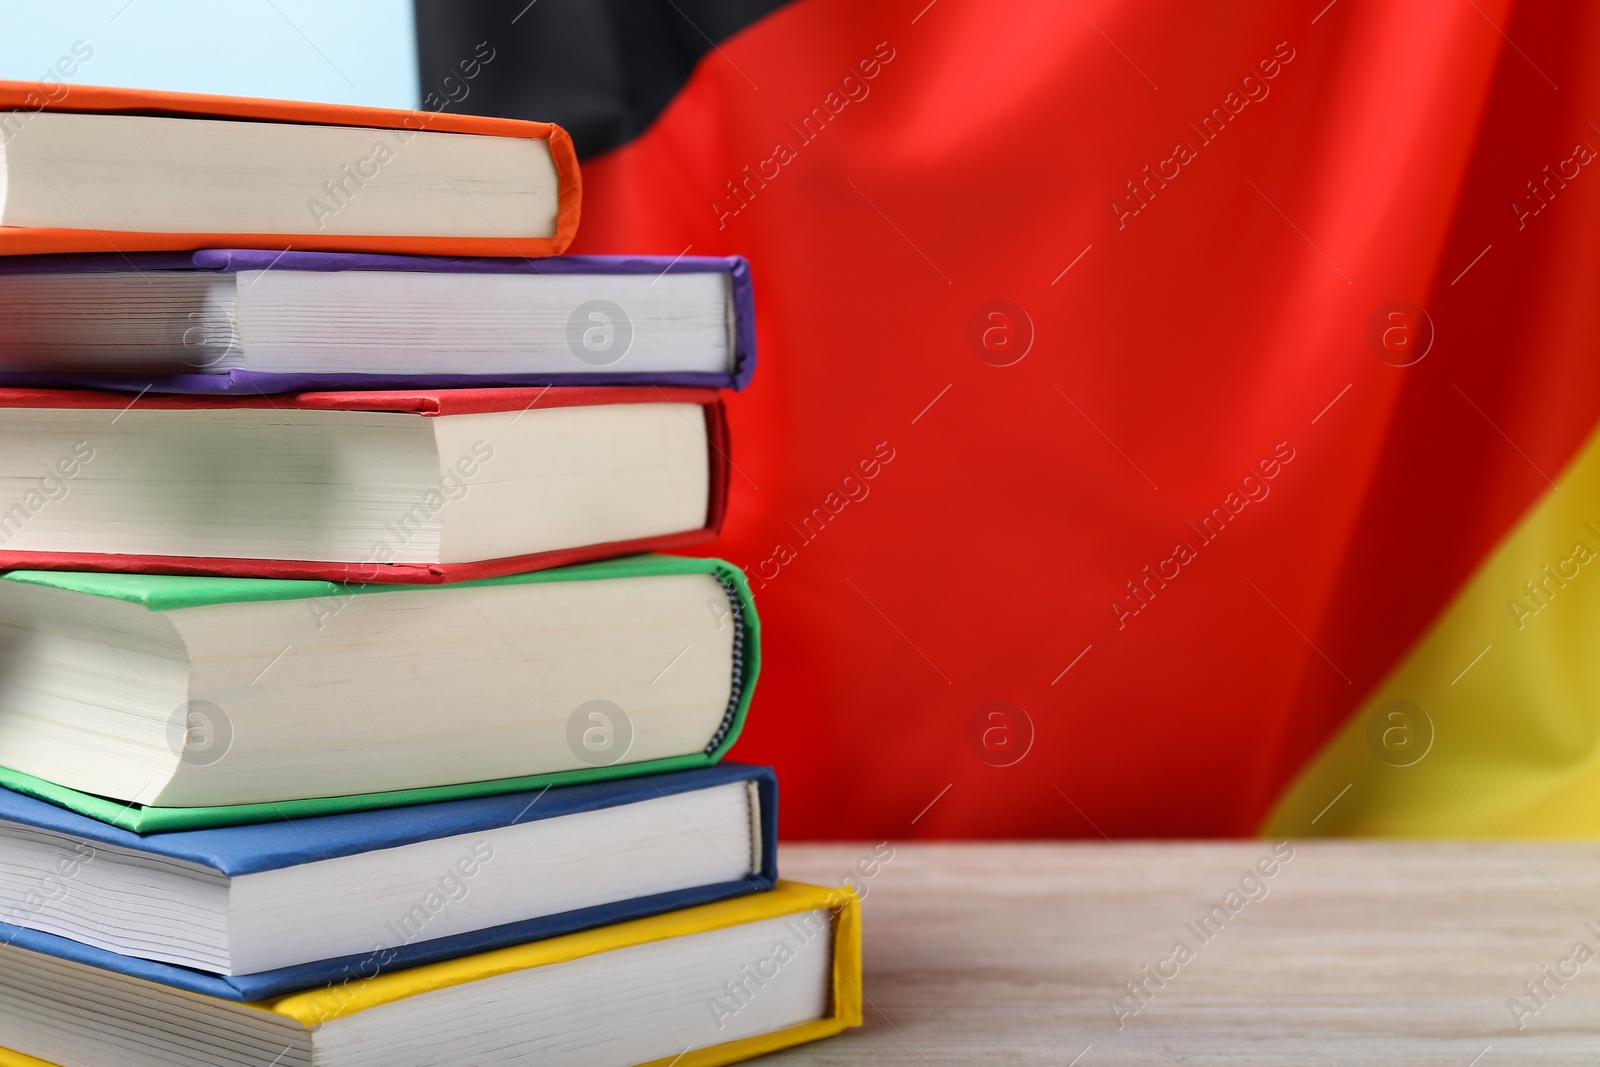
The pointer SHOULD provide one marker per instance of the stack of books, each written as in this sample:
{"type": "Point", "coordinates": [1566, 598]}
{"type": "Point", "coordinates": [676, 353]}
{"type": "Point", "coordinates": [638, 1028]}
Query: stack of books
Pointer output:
{"type": "Point", "coordinates": [344, 717]}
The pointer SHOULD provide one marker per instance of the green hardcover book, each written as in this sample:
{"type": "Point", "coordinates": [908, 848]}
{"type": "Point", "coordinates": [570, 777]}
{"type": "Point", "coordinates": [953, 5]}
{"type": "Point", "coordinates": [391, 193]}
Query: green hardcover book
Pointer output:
{"type": "Point", "coordinates": [160, 702]}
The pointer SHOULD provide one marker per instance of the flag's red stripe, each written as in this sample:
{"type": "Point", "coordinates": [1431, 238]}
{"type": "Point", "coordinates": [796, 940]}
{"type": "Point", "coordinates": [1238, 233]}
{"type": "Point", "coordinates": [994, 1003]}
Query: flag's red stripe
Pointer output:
{"type": "Point", "coordinates": [1176, 349]}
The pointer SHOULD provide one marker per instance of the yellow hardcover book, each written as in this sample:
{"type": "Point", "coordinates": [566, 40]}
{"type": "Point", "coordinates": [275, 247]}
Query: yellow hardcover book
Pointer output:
{"type": "Point", "coordinates": [708, 985]}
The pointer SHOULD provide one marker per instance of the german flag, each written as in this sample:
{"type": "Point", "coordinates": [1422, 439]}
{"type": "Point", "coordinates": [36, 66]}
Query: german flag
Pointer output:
{"type": "Point", "coordinates": [1173, 419]}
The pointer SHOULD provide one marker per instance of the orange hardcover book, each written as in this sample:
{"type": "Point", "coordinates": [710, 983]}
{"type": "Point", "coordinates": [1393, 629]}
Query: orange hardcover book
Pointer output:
{"type": "Point", "coordinates": [75, 176]}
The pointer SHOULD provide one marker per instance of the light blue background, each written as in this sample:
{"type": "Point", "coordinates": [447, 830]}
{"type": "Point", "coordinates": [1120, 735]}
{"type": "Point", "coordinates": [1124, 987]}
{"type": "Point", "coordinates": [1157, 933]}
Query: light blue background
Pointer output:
{"type": "Point", "coordinates": [337, 51]}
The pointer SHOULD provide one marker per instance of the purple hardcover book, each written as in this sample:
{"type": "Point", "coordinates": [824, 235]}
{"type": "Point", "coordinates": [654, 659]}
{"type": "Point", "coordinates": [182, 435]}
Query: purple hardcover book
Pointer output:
{"type": "Point", "coordinates": [246, 322]}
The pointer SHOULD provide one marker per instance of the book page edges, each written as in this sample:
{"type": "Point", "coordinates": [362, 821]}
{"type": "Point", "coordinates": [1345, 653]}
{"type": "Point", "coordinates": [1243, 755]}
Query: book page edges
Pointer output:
{"type": "Point", "coordinates": [314, 1007]}
{"type": "Point", "coordinates": [42, 96]}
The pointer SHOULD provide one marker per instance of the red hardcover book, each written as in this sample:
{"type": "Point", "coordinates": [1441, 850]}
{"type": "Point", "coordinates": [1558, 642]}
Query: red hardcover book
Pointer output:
{"type": "Point", "coordinates": [407, 487]}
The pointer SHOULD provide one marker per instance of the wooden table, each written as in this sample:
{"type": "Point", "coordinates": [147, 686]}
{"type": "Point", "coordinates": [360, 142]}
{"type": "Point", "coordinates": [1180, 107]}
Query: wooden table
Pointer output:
{"type": "Point", "coordinates": [1358, 953]}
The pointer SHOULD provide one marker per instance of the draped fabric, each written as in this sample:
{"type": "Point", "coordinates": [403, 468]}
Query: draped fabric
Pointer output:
{"type": "Point", "coordinates": [1155, 400]}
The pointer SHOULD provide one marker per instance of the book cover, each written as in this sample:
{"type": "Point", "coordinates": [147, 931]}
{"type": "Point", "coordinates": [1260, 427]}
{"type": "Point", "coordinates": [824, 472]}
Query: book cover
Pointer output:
{"type": "Point", "coordinates": [245, 383]}
{"type": "Point", "coordinates": [36, 96]}
{"type": "Point", "coordinates": [167, 593]}
{"type": "Point", "coordinates": [314, 1007]}
{"type": "Point", "coordinates": [425, 403]}
{"type": "Point", "coordinates": [270, 846]}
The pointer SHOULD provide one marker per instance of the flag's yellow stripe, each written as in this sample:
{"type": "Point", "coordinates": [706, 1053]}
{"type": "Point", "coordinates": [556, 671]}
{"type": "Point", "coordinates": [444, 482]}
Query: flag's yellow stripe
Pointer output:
{"type": "Point", "coordinates": [1511, 683]}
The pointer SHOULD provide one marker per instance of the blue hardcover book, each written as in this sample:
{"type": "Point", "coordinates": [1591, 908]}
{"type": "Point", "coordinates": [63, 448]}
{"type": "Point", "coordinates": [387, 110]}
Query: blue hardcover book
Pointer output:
{"type": "Point", "coordinates": [248, 912]}
{"type": "Point", "coordinates": [248, 321]}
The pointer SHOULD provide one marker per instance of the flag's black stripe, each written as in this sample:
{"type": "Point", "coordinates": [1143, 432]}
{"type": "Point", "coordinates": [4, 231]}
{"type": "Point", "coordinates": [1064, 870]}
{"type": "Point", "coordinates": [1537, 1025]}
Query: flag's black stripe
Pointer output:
{"type": "Point", "coordinates": [604, 69]}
